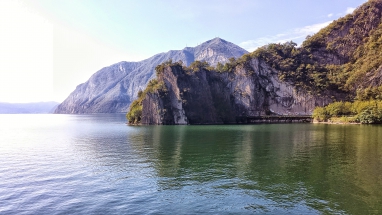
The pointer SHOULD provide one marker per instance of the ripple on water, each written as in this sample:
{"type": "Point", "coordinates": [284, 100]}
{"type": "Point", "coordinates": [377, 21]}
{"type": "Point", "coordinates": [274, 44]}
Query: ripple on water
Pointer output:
{"type": "Point", "coordinates": [89, 164]}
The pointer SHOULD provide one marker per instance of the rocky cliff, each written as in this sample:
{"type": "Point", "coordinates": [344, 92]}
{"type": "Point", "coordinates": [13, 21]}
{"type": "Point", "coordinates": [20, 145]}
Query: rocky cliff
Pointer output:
{"type": "Point", "coordinates": [210, 97]}
{"type": "Point", "coordinates": [113, 88]}
{"type": "Point", "coordinates": [342, 62]}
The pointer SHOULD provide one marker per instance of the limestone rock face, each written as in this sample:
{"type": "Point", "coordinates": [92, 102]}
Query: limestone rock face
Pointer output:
{"type": "Point", "coordinates": [113, 88]}
{"type": "Point", "coordinates": [209, 97]}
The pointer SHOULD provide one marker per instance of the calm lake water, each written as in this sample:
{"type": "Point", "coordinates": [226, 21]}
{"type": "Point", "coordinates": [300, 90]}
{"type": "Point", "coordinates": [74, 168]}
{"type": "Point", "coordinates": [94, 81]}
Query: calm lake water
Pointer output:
{"type": "Point", "coordinates": [95, 164]}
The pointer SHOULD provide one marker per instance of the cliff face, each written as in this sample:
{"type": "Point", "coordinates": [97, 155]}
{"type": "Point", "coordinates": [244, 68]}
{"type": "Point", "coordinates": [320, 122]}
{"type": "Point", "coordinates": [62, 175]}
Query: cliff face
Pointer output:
{"type": "Point", "coordinates": [113, 88]}
{"type": "Point", "coordinates": [210, 97]}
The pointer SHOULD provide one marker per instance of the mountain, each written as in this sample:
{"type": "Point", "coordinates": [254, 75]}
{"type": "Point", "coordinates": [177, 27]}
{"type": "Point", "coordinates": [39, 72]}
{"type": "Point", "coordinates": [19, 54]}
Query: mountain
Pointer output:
{"type": "Point", "coordinates": [341, 62]}
{"type": "Point", "coordinates": [22, 108]}
{"type": "Point", "coordinates": [344, 56]}
{"type": "Point", "coordinates": [113, 88]}
{"type": "Point", "coordinates": [203, 95]}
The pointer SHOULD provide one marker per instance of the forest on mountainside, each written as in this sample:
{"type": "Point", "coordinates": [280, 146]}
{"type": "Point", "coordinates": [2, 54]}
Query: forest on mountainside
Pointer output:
{"type": "Point", "coordinates": [344, 56]}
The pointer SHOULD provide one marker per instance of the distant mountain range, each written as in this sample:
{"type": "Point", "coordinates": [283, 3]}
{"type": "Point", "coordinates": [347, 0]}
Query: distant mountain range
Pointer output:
{"type": "Point", "coordinates": [36, 107]}
{"type": "Point", "coordinates": [113, 88]}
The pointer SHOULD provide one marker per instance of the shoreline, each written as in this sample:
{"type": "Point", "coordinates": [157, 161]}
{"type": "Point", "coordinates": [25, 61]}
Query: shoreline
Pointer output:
{"type": "Point", "coordinates": [337, 123]}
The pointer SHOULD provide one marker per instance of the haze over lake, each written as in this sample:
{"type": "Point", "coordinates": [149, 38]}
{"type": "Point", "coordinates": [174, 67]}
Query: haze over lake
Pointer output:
{"type": "Point", "coordinates": [95, 164]}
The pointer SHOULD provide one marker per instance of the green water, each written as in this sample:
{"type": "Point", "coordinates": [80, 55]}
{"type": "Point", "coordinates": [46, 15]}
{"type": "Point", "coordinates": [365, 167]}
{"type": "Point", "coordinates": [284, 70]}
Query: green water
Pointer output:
{"type": "Point", "coordinates": [96, 164]}
{"type": "Point", "coordinates": [326, 168]}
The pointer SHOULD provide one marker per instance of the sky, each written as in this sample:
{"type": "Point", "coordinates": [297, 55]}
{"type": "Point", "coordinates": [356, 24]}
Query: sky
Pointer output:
{"type": "Point", "coordinates": [48, 47]}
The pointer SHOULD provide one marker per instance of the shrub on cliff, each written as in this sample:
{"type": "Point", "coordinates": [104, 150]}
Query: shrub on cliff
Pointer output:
{"type": "Point", "coordinates": [134, 115]}
{"type": "Point", "coordinates": [135, 112]}
{"type": "Point", "coordinates": [196, 66]}
{"type": "Point", "coordinates": [159, 69]}
{"type": "Point", "coordinates": [228, 66]}
{"type": "Point", "coordinates": [297, 66]}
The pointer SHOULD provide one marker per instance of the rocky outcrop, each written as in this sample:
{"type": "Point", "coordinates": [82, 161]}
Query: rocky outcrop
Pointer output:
{"type": "Point", "coordinates": [113, 88]}
{"type": "Point", "coordinates": [210, 97]}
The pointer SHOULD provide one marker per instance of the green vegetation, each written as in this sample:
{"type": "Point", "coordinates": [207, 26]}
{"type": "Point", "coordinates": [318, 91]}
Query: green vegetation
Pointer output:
{"type": "Point", "coordinates": [227, 67]}
{"type": "Point", "coordinates": [366, 68]}
{"type": "Point", "coordinates": [364, 112]}
{"type": "Point", "coordinates": [359, 70]}
{"type": "Point", "coordinates": [343, 57]}
{"type": "Point", "coordinates": [196, 66]}
{"type": "Point", "coordinates": [135, 111]}
{"type": "Point", "coordinates": [160, 68]}
{"type": "Point", "coordinates": [296, 66]}
{"type": "Point", "coordinates": [134, 115]}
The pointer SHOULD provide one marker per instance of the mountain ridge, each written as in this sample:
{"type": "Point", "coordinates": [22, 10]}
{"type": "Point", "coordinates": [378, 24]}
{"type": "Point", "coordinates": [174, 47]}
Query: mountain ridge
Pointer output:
{"type": "Point", "coordinates": [113, 88]}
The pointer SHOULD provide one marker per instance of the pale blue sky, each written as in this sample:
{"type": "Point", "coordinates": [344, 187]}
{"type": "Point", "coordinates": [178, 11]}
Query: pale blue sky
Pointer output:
{"type": "Point", "coordinates": [50, 46]}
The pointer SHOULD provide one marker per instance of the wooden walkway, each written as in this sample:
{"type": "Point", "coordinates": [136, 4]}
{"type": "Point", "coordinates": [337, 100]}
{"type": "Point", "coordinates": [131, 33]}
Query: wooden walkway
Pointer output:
{"type": "Point", "coordinates": [274, 119]}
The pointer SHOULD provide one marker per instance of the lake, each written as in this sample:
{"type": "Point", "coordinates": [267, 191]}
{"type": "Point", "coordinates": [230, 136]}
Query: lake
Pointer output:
{"type": "Point", "coordinates": [96, 164]}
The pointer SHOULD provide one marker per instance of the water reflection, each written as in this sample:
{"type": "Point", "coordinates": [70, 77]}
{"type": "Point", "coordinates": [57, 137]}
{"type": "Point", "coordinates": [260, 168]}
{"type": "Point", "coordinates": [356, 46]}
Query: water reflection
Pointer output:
{"type": "Point", "coordinates": [281, 168]}
{"type": "Point", "coordinates": [326, 168]}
